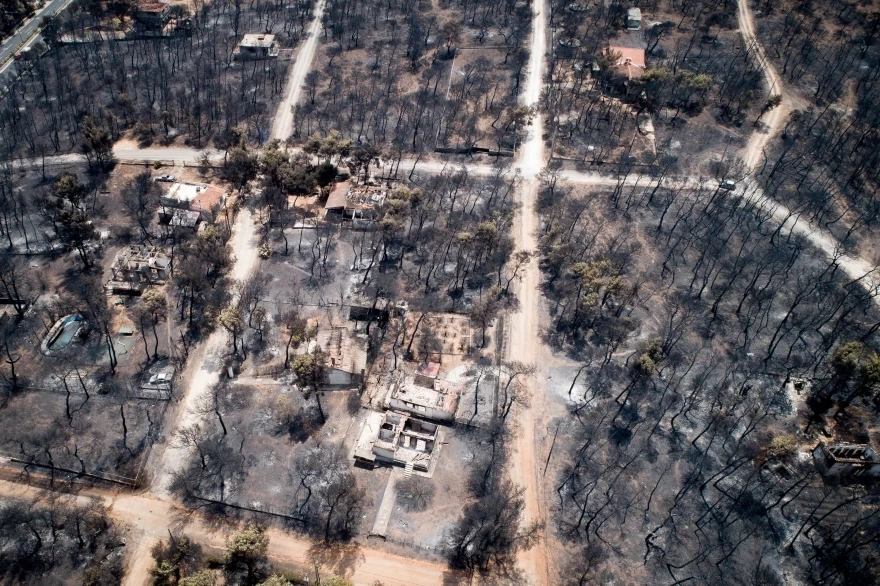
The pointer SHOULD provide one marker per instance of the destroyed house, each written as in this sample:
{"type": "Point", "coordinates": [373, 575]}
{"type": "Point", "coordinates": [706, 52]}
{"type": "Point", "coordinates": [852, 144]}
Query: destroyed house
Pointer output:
{"type": "Point", "coordinates": [846, 460]}
{"type": "Point", "coordinates": [352, 202]}
{"type": "Point", "coordinates": [151, 14]}
{"type": "Point", "coordinates": [178, 218]}
{"type": "Point", "coordinates": [346, 357]}
{"type": "Point", "coordinates": [396, 438]}
{"type": "Point", "coordinates": [257, 46]}
{"type": "Point", "coordinates": [198, 197]}
{"type": "Point", "coordinates": [136, 267]}
{"type": "Point", "coordinates": [437, 401]}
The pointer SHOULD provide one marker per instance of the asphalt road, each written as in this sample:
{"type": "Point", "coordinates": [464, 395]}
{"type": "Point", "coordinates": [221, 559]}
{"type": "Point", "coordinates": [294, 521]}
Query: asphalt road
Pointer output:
{"type": "Point", "coordinates": [11, 45]}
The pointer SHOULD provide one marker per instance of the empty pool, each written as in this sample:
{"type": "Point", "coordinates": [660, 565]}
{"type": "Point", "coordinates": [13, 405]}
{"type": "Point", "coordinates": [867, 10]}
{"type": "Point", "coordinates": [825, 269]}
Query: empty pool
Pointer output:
{"type": "Point", "coordinates": [62, 333]}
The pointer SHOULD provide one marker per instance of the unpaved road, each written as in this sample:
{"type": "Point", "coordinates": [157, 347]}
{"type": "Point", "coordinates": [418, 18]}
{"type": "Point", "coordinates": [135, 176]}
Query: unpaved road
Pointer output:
{"type": "Point", "coordinates": [148, 519]}
{"type": "Point", "coordinates": [150, 515]}
{"type": "Point", "coordinates": [207, 364]}
{"type": "Point", "coordinates": [283, 124]}
{"type": "Point", "coordinates": [856, 268]}
{"type": "Point", "coordinates": [755, 148]}
{"type": "Point", "coordinates": [167, 458]}
{"type": "Point", "coordinates": [524, 342]}
{"type": "Point", "coordinates": [773, 120]}
{"type": "Point", "coordinates": [209, 358]}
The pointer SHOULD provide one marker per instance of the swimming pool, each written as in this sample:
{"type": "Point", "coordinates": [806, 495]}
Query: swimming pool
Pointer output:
{"type": "Point", "coordinates": [63, 332]}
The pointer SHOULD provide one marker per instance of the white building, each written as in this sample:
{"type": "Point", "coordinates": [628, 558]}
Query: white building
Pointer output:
{"type": "Point", "coordinates": [634, 19]}
{"type": "Point", "coordinates": [395, 438]}
{"type": "Point", "coordinates": [257, 46]}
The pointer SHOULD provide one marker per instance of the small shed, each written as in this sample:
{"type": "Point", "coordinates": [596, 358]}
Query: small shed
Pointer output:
{"type": "Point", "coordinates": [368, 313]}
{"type": "Point", "coordinates": [426, 375]}
{"type": "Point", "coordinates": [634, 19]}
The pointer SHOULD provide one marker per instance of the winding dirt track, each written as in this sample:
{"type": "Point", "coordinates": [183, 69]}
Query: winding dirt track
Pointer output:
{"type": "Point", "coordinates": [856, 268]}
{"type": "Point", "coordinates": [754, 150]}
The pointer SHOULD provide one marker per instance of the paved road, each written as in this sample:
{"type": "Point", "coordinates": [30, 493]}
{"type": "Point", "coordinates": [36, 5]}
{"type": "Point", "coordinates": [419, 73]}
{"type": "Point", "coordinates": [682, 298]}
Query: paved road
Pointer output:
{"type": "Point", "coordinates": [25, 33]}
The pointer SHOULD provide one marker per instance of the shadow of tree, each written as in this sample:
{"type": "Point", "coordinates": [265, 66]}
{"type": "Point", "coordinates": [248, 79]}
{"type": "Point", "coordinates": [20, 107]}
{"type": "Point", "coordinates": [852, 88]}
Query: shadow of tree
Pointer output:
{"type": "Point", "coordinates": [506, 574]}
{"type": "Point", "coordinates": [456, 578]}
{"type": "Point", "coordinates": [337, 558]}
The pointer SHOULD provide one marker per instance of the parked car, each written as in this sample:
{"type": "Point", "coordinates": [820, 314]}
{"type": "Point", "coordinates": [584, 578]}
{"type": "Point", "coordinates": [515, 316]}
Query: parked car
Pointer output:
{"type": "Point", "coordinates": [166, 178]}
{"type": "Point", "coordinates": [727, 184]}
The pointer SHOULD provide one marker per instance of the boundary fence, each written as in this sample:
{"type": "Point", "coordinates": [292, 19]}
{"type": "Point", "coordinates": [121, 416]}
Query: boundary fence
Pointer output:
{"type": "Point", "coordinates": [105, 477]}
{"type": "Point", "coordinates": [249, 509]}
{"type": "Point", "coordinates": [411, 543]}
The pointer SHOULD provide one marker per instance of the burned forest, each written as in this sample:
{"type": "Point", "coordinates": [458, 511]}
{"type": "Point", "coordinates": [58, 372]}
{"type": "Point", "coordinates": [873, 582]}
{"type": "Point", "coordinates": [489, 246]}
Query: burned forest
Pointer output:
{"type": "Point", "coordinates": [439, 292]}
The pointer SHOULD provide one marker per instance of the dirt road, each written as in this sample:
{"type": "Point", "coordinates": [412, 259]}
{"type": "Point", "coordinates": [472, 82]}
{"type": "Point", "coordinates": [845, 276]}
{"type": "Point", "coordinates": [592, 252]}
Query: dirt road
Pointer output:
{"type": "Point", "coordinates": [167, 458]}
{"type": "Point", "coordinates": [775, 118]}
{"type": "Point", "coordinates": [524, 343]}
{"type": "Point", "coordinates": [206, 366]}
{"type": "Point", "coordinates": [148, 519]}
{"type": "Point", "coordinates": [283, 124]}
{"type": "Point", "coordinates": [855, 267]}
